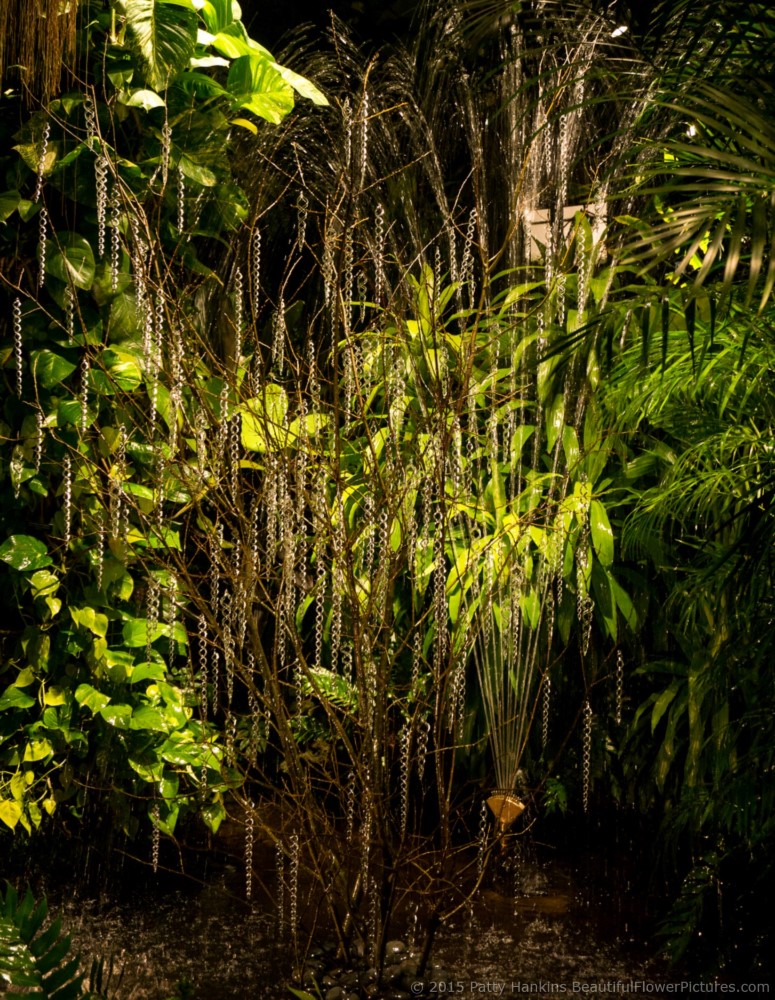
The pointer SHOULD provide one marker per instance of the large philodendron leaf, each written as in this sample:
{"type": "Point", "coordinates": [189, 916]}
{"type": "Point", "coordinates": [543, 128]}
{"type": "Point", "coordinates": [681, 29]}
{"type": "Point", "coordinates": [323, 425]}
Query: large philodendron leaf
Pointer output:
{"type": "Point", "coordinates": [165, 36]}
{"type": "Point", "coordinates": [258, 87]}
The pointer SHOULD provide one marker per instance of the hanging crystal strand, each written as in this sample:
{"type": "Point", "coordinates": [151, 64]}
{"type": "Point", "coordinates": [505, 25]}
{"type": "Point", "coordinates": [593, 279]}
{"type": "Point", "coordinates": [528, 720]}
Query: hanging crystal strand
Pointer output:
{"type": "Point", "coordinates": [270, 486]}
{"type": "Point", "coordinates": [348, 664]}
{"type": "Point", "coordinates": [302, 210]}
{"type": "Point", "coordinates": [223, 425]}
{"type": "Point", "coordinates": [181, 200]}
{"type": "Point", "coordinates": [459, 694]}
{"type": "Point", "coordinates": [166, 148]}
{"type": "Point", "coordinates": [228, 646]}
{"type": "Point", "coordinates": [250, 826]}
{"type": "Point", "coordinates": [172, 608]}
{"type": "Point", "coordinates": [239, 318]}
{"type": "Point", "coordinates": [230, 736]}
{"type": "Point", "coordinates": [405, 740]}
{"type": "Point", "coordinates": [294, 886]}
{"type": "Point", "coordinates": [383, 567]}
{"type": "Point", "coordinates": [155, 838]}
{"type": "Point", "coordinates": [42, 162]}
{"type": "Point", "coordinates": [235, 441]}
{"type": "Point", "coordinates": [85, 370]}
{"type": "Point", "coordinates": [366, 835]}
{"type": "Point", "coordinates": [320, 583]}
{"type": "Point", "coordinates": [255, 728]}
{"type": "Point", "coordinates": [545, 710]}
{"type": "Point", "coordinates": [370, 530]}
{"type": "Point", "coordinates": [101, 190]}
{"type": "Point", "coordinates": [67, 475]}
{"type": "Point", "coordinates": [362, 286]}
{"type": "Point", "coordinates": [379, 253]}
{"type": "Point", "coordinates": [282, 493]}
{"type": "Point", "coordinates": [373, 921]}
{"type": "Point", "coordinates": [467, 261]}
{"type": "Point", "coordinates": [350, 809]}
{"type": "Point", "coordinates": [582, 261]}
{"type": "Point", "coordinates": [148, 338]}
{"type": "Point", "coordinates": [348, 290]}
{"type": "Point", "coordinates": [586, 754]}
{"type": "Point", "coordinates": [423, 735]}
{"type": "Point", "coordinates": [363, 140]}
{"type": "Point", "coordinates": [202, 631]}
{"type": "Point", "coordinates": [40, 438]}
{"type": "Point", "coordinates": [484, 826]}
{"type": "Point", "coordinates": [158, 513]}
{"type": "Point", "coordinates": [337, 583]}
{"type": "Point", "coordinates": [560, 295]}
{"type": "Point", "coordinates": [70, 313]}
{"type": "Point", "coordinates": [121, 519]}
{"type": "Point", "coordinates": [115, 237]}
{"type": "Point", "coordinates": [215, 661]}
{"type": "Point", "coordinates": [100, 553]}
{"type": "Point", "coordinates": [255, 266]}
{"type": "Point", "coordinates": [152, 609]}
{"type": "Point", "coordinates": [416, 654]}
{"type": "Point", "coordinates": [584, 605]}
{"type": "Point", "coordinates": [280, 868]}
{"type": "Point", "coordinates": [279, 330]}
{"type": "Point", "coordinates": [255, 555]}
{"type": "Point", "coordinates": [619, 686]}
{"type": "Point", "coordinates": [42, 236]}
{"type": "Point", "coordinates": [90, 120]}
{"type": "Point", "coordinates": [155, 361]}
{"type": "Point", "coordinates": [327, 268]}
{"type": "Point", "coordinates": [18, 345]}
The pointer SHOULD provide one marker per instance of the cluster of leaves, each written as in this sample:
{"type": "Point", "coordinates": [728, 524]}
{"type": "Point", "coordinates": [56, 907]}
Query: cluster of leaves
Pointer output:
{"type": "Point", "coordinates": [691, 400]}
{"type": "Point", "coordinates": [36, 955]}
{"type": "Point", "coordinates": [104, 256]}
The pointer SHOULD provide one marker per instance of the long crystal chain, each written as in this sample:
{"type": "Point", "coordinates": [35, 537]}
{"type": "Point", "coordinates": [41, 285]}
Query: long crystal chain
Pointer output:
{"type": "Point", "coordinates": [18, 345]}
{"type": "Point", "coordinates": [619, 686]}
{"type": "Point", "coordinates": [586, 754]}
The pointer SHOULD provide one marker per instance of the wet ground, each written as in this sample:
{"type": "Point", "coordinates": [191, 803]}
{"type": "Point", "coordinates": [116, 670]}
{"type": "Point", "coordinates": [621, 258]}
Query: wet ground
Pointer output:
{"type": "Point", "coordinates": [544, 922]}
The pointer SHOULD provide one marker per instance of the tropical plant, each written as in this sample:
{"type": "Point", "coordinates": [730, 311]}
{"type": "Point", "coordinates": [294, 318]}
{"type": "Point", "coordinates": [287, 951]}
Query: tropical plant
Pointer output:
{"type": "Point", "coordinates": [36, 955]}
{"type": "Point", "coordinates": [138, 161]}
{"type": "Point", "coordinates": [691, 399]}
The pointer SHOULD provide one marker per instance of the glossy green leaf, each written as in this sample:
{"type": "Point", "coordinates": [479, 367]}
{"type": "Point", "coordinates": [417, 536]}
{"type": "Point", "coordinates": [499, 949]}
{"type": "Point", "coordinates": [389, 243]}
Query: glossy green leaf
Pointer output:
{"type": "Point", "coordinates": [555, 417]}
{"type": "Point", "coordinates": [49, 368]}
{"type": "Point", "coordinates": [90, 697]}
{"type": "Point", "coordinates": [71, 259]}
{"type": "Point", "coordinates": [23, 552]}
{"type": "Point", "coordinates": [119, 716]}
{"type": "Point", "coordinates": [148, 717]}
{"type": "Point", "coordinates": [137, 632]}
{"type": "Point", "coordinates": [165, 35]}
{"type": "Point", "coordinates": [258, 87]}
{"type": "Point", "coordinates": [197, 172]}
{"type": "Point", "coordinates": [90, 619]}
{"type": "Point", "coordinates": [145, 99]}
{"type": "Point", "coordinates": [602, 535]}
{"type": "Point", "coordinates": [302, 86]}
{"type": "Point", "coordinates": [10, 814]}
{"type": "Point", "coordinates": [148, 672]}
{"type": "Point", "coordinates": [263, 420]}
{"type": "Point", "coordinates": [14, 697]}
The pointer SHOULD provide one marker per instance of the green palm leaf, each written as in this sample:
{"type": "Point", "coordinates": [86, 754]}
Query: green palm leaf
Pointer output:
{"type": "Point", "coordinates": [718, 192]}
{"type": "Point", "coordinates": [35, 955]}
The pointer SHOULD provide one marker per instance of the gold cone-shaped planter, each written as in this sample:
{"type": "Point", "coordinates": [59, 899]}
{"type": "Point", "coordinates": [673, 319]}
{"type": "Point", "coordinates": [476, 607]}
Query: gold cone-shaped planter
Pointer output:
{"type": "Point", "coordinates": [506, 807]}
